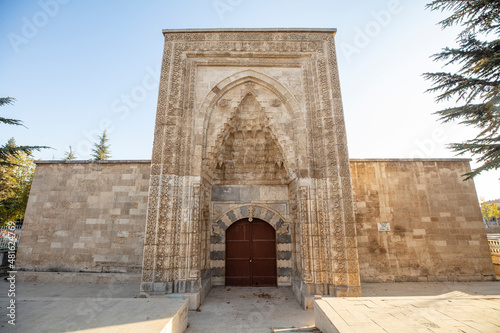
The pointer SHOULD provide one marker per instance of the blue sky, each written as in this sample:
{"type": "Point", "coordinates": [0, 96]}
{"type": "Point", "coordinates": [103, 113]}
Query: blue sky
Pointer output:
{"type": "Point", "coordinates": [77, 67]}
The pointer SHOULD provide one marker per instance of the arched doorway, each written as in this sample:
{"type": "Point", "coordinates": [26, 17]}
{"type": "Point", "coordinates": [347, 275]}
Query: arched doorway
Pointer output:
{"type": "Point", "coordinates": [251, 254]}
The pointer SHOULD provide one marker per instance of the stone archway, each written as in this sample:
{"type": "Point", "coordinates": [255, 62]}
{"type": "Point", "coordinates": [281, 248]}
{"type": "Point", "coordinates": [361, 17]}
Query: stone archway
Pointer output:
{"type": "Point", "coordinates": [251, 212]}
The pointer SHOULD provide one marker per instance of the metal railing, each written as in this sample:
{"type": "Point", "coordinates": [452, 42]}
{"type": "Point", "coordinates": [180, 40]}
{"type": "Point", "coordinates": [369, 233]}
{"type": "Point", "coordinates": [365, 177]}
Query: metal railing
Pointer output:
{"type": "Point", "coordinates": [494, 246]}
{"type": "Point", "coordinates": [7, 235]}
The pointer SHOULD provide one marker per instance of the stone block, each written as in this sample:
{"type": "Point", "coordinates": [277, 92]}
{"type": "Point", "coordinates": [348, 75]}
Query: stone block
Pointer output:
{"type": "Point", "coordinates": [217, 271]}
{"type": "Point", "coordinates": [160, 287]}
{"type": "Point", "coordinates": [284, 271]}
{"type": "Point", "coordinates": [226, 193]}
{"type": "Point", "coordinates": [284, 281]}
{"type": "Point", "coordinates": [217, 255]}
{"type": "Point", "coordinates": [218, 280]}
{"type": "Point", "coordinates": [284, 239]}
{"type": "Point", "coordinates": [216, 239]}
{"type": "Point", "coordinates": [249, 194]}
{"type": "Point", "coordinates": [274, 193]}
{"type": "Point", "coordinates": [283, 255]}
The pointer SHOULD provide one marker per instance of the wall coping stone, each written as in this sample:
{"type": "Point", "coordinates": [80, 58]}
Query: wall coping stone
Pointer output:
{"type": "Point", "coordinates": [204, 31]}
{"type": "Point", "coordinates": [93, 162]}
{"type": "Point", "coordinates": [410, 159]}
{"type": "Point", "coordinates": [350, 160]}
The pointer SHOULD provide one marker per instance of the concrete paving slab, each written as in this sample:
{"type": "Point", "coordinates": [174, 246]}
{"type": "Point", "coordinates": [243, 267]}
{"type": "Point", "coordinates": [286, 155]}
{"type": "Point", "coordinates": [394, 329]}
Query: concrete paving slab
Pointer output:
{"type": "Point", "coordinates": [414, 307]}
{"type": "Point", "coordinates": [105, 308]}
{"type": "Point", "coordinates": [254, 310]}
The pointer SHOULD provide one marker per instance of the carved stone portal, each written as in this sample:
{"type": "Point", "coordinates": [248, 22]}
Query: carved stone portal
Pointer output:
{"type": "Point", "coordinates": [250, 125]}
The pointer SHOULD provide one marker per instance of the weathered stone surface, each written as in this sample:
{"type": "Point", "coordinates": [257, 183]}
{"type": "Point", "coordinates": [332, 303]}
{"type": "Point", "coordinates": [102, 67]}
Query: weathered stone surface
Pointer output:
{"type": "Point", "coordinates": [226, 193]}
{"type": "Point", "coordinates": [436, 229]}
{"type": "Point", "coordinates": [86, 217]}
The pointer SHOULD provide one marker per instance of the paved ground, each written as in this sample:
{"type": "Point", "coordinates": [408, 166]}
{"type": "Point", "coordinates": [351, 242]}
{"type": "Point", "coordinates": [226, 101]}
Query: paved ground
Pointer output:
{"type": "Point", "coordinates": [242, 309]}
{"type": "Point", "coordinates": [83, 307]}
{"type": "Point", "coordinates": [106, 306]}
{"type": "Point", "coordinates": [449, 313]}
{"type": "Point", "coordinates": [417, 307]}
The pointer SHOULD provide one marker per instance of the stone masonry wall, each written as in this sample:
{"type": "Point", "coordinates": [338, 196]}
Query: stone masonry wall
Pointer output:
{"type": "Point", "coordinates": [85, 216]}
{"type": "Point", "coordinates": [436, 230]}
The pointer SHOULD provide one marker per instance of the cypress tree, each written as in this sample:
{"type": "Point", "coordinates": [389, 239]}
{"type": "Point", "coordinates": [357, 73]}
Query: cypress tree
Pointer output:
{"type": "Point", "coordinates": [101, 151]}
{"type": "Point", "coordinates": [69, 155]}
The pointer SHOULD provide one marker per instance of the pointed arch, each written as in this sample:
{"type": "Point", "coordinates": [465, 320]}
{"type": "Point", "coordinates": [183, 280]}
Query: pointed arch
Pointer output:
{"type": "Point", "coordinates": [207, 141]}
{"type": "Point", "coordinates": [285, 96]}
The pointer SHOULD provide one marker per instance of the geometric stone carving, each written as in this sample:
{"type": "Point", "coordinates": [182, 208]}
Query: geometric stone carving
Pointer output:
{"type": "Point", "coordinates": [248, 150]}
{"type": "Point", "coordinates": [287, 129]}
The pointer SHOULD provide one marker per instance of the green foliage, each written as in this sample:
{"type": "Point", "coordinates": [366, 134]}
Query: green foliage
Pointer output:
{"type": "Point", "coordinates": [16, 177]}
{"type": "Point", "coordinates": [101, 151]}
{"type": "Point", "coordinates": [7, 101]}
{"type": "Point", "coordinates": [16, 173]}
{"type": "Point", "coordinates": [6, 151]}
{"type": "Point", "coordinates": [476, 83]}
{"type": "Point", "coordinates": [69, 155]}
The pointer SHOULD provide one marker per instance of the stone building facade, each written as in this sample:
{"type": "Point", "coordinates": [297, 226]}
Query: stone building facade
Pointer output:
{"type": "Point", "coordinates": [237, 111]}
{"type": "Point", "coordinates": [250, 127]}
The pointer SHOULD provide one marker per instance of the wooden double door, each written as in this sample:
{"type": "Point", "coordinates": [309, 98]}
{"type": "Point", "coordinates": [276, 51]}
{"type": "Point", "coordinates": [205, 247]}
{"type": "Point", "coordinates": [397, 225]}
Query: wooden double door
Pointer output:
{"type": "Point", "coordinates": [251, 254]}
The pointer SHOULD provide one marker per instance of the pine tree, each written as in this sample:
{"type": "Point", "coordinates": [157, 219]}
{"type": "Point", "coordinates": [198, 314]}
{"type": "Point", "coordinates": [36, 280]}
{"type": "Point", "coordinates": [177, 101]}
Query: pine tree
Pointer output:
{"type": "Point", "coordinates": [476, 84]}
{"type": "Point", "coordinates": [69, 155]}
{"type": "Point", "coordinates": [7, 151]}
{"type": "Point", "coordinates": [101, 150]}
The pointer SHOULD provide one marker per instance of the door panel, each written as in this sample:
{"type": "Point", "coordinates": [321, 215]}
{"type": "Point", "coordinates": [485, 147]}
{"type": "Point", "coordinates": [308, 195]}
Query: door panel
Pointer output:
{"type": "Point", "coordinates": [264, 250]}
{"type": "Point", "coordinates": [238, 250]}
{"type": "Point", "coordinates": [241, 269]}
{"type": "Point", "coordinates": [263, 268]}
{"type": "Point", "coordinates": [239, 231]}
{"type": "Point", "coordinates": [251, 254]}
{"type": "Point", "coordinates": [262, 231]}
